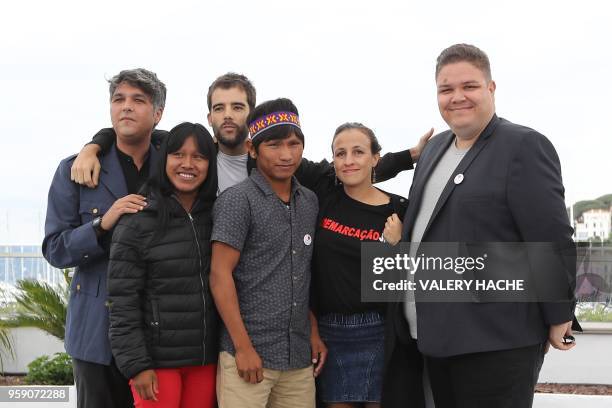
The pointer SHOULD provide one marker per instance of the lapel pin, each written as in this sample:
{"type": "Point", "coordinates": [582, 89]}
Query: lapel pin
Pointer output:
{"type": "Point", "coordinates": [458, 178]}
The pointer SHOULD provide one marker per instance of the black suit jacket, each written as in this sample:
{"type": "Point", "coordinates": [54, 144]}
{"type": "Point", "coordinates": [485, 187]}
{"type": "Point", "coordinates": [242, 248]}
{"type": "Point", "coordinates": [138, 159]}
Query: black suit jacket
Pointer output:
{"type": "Point", "coordinates": [511, 192]}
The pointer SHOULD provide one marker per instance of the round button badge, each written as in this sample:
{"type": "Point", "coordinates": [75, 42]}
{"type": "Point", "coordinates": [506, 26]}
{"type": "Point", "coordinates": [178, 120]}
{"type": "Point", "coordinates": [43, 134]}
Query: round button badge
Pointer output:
{"type": "Point", "coordinates": [307, 239]}
{"type": "Point", "coordinates": [458, 178]}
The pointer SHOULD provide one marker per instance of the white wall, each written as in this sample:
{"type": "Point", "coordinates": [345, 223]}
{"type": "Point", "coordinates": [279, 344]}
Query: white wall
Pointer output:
{"type": "Point", "coordinates": [28, 344]}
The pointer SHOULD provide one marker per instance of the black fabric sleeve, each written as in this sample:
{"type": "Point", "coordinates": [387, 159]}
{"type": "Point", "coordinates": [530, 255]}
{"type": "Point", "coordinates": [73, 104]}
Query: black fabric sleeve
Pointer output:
{"type": "Point", "coordinates": [106, 137]}
{"type": "Point", "coordinates": [391, 164]}
{"type": "Point", "coordinates": [317, 176]}
{"type": "Point", "coordinates": [320, 176]}
{"type": "Point", "coordinates": [158, 136]}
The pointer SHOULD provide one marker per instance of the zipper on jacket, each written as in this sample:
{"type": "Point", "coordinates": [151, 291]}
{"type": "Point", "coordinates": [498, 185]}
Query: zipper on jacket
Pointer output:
{"type": "Point", "coordinates": [195, 235]}
{"type": "Point", "coordinates": [155, 322]}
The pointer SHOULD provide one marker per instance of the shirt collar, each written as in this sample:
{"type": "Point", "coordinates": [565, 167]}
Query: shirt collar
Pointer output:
{"type": "Point", "coordinates": [240, 157]}
{"type": "Point", "coordinates": [126, 157]}
{"type": "Point", "coordinates": [261, 182]}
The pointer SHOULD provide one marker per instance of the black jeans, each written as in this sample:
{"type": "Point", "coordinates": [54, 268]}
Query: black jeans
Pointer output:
{"type": "Point", "coordinates": [493, 379]}
{"type": "Point", "coordinates": [101, 386]}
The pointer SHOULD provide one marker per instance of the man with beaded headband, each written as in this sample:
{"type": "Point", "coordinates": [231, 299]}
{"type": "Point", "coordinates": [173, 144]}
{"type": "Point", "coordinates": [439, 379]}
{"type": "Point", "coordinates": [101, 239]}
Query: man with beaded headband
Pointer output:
{"type": "Point", "coordinates": [262, 237]}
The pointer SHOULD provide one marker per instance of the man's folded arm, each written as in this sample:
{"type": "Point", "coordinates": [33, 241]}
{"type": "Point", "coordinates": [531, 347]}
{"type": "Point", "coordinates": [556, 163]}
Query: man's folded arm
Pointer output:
{"type": "Point", "coordinates": [107, 136]}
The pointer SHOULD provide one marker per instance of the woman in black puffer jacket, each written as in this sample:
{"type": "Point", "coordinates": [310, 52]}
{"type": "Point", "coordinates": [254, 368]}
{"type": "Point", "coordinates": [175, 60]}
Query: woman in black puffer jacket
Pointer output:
{"type": "Point", "coordinates": [163, 322]}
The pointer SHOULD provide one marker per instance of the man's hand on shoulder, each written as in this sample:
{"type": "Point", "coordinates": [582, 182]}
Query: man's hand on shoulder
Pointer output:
{"type": "Point", "coordinates": [416, 151]}
{"type": "Point", "coordinates": [86, 167]}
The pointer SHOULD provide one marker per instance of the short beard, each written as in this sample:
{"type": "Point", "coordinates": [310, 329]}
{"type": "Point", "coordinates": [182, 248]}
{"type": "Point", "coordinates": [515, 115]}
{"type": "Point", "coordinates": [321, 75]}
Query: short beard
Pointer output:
{"type": "Point", "coordinates": [241, 136]}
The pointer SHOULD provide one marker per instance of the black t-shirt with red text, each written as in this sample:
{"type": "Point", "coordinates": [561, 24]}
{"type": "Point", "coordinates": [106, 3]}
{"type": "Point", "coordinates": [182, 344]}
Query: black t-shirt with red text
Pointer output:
{"type": "Point", "coordinates": [343, 225]}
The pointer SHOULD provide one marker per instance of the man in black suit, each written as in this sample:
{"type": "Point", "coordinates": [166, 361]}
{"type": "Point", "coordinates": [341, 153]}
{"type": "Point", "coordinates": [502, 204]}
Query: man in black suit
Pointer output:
{"type": "Point", "coordinates": [484, 180]}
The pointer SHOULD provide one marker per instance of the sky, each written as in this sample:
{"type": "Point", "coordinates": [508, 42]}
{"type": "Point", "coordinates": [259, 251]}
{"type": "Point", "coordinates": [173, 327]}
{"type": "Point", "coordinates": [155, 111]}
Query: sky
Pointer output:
{"type": "Point", "coordinates": [338, 60]}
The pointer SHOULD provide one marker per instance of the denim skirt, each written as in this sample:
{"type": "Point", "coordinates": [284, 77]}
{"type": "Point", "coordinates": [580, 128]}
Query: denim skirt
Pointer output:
{"type": "Point", "coordinates": [353, 370]}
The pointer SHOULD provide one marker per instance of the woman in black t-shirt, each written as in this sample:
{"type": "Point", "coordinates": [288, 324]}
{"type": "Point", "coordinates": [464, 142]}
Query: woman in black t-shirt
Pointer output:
{"type": "Point", "coordinates": [351, 212]}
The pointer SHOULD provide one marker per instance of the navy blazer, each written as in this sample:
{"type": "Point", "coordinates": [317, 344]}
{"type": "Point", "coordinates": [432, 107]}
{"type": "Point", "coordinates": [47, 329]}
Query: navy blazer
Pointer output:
{"type": "Point", "coordinates": [70, 241]}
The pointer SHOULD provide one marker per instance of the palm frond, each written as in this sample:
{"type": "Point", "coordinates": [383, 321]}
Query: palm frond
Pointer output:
{"type": "Point", "coordinates": [42, 306]}
{"type": "Point", "coordinates": [6, 342]}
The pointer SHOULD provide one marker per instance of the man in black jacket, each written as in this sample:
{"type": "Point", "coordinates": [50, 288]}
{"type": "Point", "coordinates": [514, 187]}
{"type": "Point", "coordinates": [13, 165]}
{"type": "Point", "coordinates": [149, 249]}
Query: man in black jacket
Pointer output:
{"type": "Point", "coordinates": [485, 180]}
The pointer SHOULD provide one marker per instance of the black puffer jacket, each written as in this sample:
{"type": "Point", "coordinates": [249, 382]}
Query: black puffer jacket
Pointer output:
{"type": "Point", "coordinates": [161, 312]}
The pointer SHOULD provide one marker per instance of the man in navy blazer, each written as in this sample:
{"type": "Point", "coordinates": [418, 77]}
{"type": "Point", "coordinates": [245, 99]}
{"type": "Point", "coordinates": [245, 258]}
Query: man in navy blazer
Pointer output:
{"type": "Point", "coordinates": [484, 180]}
{"type": "Point", "coordinates": [79, 225]}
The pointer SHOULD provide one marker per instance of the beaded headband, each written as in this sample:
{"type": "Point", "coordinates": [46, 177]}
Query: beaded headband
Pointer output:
{"type": "Point", "coordinates": [271, 120]}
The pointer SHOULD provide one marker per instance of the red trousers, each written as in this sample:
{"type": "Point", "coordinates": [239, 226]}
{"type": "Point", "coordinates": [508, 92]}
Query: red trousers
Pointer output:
{"type": "Point", "coordinates": [185, 387]}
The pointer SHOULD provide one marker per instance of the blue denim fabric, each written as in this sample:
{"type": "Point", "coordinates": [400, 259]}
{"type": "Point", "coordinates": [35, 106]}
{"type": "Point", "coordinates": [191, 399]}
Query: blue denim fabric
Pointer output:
{"type": "Point", "coordinates": [353, 371]}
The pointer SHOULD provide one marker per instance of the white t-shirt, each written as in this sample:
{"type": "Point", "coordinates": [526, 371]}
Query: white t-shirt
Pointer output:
{"type": "Point", "coordinates": [431, 194]}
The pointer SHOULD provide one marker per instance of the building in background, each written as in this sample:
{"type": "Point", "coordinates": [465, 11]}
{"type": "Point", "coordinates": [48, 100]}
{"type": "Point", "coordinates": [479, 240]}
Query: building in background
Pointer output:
{"type": "Point", "coordinates": [26, 262]}
{"type": "Point", "coordinates": [592, 219]}
{"type": "Point", "coordinates": [593, 225]}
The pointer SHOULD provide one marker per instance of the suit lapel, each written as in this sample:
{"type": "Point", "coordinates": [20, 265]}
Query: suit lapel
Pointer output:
{"type": "Point", "coordinates": [111, 175]}
{"type": "Point", "coordinates": [462, 168]}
